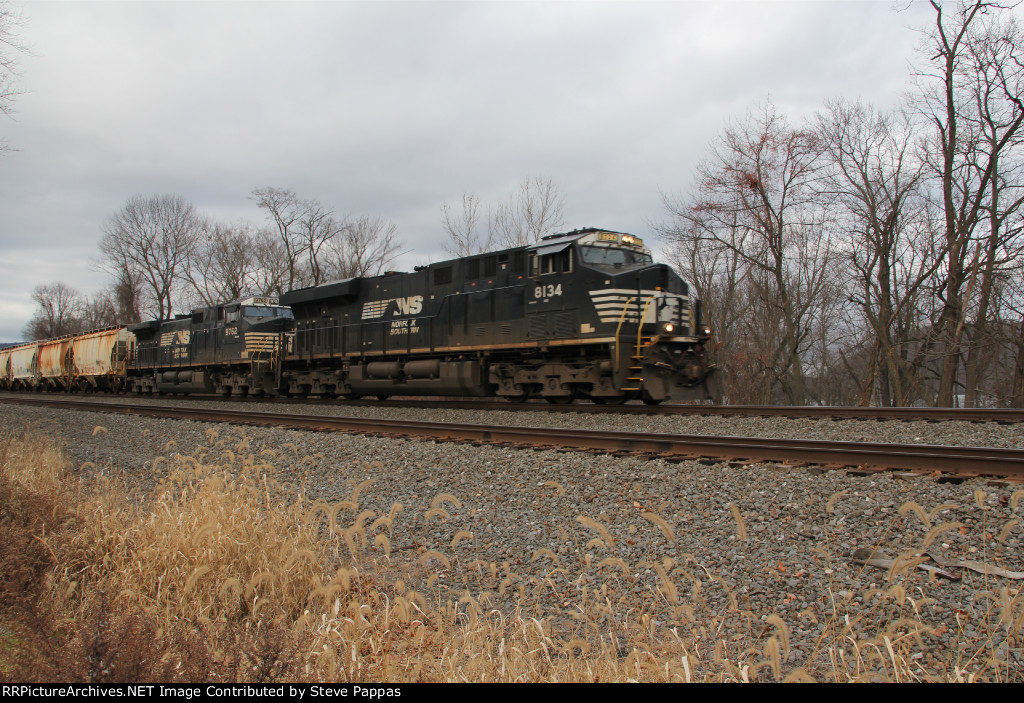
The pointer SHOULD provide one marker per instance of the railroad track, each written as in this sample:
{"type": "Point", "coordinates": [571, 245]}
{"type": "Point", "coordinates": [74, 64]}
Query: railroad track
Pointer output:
{"type": "Point", "coordinates": [1000, 415]}
{"type": "Point", "coordinates": [906, 414]}
{"type": "Point", "coordinates": [957, 461]}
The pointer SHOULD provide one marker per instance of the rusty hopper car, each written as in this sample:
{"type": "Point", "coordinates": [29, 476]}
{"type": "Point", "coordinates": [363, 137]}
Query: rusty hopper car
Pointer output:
{"type": "Point", "coordinates": [5, 368]}
{"type": "Point", "coordinates": [24, 367]}
{"type": "Point", "coordinates": [100, 359]}
{"type": "Point", "coordinates": [54, 362]}
{"type": "Point", "coordinates": [233, 348]}
{"type": "Point", "coordinates": [584, 313]}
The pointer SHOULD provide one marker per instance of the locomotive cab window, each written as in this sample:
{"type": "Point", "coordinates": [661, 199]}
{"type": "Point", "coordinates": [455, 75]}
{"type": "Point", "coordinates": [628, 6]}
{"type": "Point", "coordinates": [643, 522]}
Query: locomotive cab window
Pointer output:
{"type": "Point", "coordinates": [558, 262]}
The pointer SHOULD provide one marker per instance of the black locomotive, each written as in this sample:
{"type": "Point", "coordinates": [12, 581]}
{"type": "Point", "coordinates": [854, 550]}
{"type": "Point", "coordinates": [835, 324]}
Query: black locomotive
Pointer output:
{"type": "Point", "coordinates": [584, 313]}
{"type": "Point", "coordinates": [235, 347]}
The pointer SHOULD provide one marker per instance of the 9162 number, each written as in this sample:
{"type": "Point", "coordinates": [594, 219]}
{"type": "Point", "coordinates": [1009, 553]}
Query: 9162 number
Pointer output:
{"type": "Point", "coordinates": [549, 291]}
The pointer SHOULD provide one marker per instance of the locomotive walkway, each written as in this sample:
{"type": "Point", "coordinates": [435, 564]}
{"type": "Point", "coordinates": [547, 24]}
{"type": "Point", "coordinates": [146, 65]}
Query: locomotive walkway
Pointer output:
{"type": "Point", "coordinates": [958, 461]}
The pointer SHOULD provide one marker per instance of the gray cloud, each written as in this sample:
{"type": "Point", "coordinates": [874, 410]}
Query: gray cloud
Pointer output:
{"type": "Point", "coordinates": [393, 108]}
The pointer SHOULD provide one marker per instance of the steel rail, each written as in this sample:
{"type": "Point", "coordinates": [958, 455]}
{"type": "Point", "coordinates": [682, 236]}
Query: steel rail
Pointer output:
{"type": "Point", "coordinates": [970, 461]}
{"type": "Point", "coordinates": [1003, 415]}
{"type": "Point", "coordinates": [907, 414]}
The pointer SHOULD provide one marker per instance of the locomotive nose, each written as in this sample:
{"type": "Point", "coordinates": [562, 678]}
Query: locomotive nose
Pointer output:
{"type": "Point", "coordinates": [275, 324]}
{"type": "Point", "coordinates": [660, 277]}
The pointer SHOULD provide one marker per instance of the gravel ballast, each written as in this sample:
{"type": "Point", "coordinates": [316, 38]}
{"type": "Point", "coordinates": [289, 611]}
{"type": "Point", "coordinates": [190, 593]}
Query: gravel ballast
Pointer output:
{"type": "Point", "coordinates": [711, 549]}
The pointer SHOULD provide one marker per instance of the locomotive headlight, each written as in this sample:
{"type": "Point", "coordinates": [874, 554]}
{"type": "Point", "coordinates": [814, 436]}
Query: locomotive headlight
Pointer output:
{"type": "Point", "coordinates": [668, 327]}
{"type": "Point", "coordinates": [707, 331]}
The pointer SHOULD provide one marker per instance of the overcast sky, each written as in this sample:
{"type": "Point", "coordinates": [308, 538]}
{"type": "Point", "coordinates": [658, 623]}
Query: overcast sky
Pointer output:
{"type": "Point", "coordinates": [392, 108]}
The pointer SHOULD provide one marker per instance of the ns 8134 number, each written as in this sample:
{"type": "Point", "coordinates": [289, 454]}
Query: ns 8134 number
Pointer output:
{"type": "Point", "coordinates": [548, 291]}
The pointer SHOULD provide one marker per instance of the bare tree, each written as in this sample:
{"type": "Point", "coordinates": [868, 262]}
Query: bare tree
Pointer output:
{"type": "Point", "coordinates": [100, 311]}
{"type": "Point", "coordinates": [223, 264]}
{"type": "Point", "coordinates": [367, 246]}
{"type": "Point", "coordinates": [272, 267]}
{"type": "Point", "coordinates": [756, 199]}
{"type": "Point", "coordinates": [127, 296]}
{"type": "Point", "coordinates": [718, 274]}
{"type": "Point", "coordinates": [535, 209]}
{"type": "Point", "coordinates": [316, 246]}
{"type": "Point", "coordinates": [304, 228]}
{"type": "Point", "coordinates": [10, 19]}
{"type": "Point", "coordinates": [875, 176]}
{"type": "Point", "coordinates": [463, 228]}
{"type": "Point", "coordinates": [59, 312]}
{"type": "Point", "coordinates": [318, 228]}
{"type": "Point", "coordinates": [284, 211]}
{"type": "Point", "coordinates": [996, 93]}
{"type": "Point", "coordinates": [151, 240]}
{"type": "Point", "coordinates": [970, 94]}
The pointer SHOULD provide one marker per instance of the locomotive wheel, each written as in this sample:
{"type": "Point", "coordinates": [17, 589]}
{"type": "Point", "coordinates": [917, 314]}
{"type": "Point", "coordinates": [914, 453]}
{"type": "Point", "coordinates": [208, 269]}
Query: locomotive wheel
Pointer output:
{"type": "Point", "coordinates": [383, 396]}
{"type": "Point", "coordinates": [648, 400]}
{"type": "Point", "coordinates": [352, 396]}
{"type": "Point", "coordinates": [562, 399]}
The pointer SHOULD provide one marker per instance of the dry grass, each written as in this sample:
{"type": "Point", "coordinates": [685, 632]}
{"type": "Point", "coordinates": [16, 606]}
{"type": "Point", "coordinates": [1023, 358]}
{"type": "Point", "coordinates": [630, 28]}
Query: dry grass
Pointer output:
{"type": "Point", "coordinates": [222, 575]}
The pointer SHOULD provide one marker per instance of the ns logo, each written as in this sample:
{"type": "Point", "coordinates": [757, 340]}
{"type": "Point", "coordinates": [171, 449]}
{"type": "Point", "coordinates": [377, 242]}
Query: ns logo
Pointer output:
{"type": "Point", "coordinates": [412, 305]}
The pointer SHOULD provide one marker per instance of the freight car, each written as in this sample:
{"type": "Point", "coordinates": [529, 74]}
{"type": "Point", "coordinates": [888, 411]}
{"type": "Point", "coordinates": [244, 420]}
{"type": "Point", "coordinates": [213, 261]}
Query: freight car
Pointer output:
{"type": "Point", "coordinates": [20, 366]}
{"type": "Point", "coordinates": [95, 360]}
{"type": "Point", "coordinates": [585, 313]}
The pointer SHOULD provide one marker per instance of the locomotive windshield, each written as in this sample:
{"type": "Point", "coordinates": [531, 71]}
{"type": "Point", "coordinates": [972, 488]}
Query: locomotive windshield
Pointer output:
{"type": "Point", "coordinates": [254, 311]}
{"type": "Point", "coordinates": [614, 257]}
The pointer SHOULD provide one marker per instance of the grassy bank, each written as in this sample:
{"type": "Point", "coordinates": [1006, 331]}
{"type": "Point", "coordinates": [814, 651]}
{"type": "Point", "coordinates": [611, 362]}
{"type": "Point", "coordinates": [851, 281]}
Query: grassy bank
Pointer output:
{"type": "Point", "coordinates": [223, 575]}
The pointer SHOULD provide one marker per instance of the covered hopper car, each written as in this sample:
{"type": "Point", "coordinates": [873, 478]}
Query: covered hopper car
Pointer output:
{"type": "Point", "coordinates": [96, 360]}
